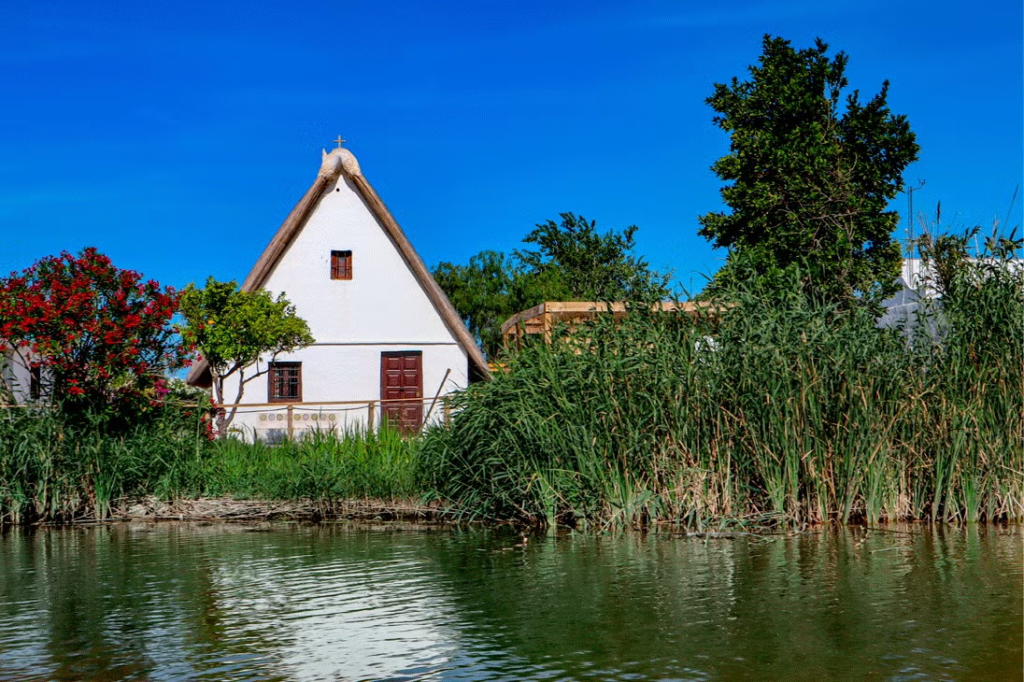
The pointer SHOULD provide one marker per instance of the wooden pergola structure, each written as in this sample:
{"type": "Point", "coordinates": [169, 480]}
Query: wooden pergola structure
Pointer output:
{"type": "Point", "coordinates": [543, 318]}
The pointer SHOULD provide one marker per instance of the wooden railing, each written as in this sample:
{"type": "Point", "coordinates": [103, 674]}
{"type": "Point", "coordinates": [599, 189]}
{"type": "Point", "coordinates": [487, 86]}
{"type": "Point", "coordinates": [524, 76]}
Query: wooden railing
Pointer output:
{"type": "Point", "coordinates": [294, 411]}
{"type": "Point", "coordinates": [374, 409]}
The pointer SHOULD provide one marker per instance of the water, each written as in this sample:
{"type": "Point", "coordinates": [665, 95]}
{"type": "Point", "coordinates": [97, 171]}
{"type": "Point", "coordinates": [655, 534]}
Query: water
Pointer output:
{"type": "Point", "coordinates": [342, 602]}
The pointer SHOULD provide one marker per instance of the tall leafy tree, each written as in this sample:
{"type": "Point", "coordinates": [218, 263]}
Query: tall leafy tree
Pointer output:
{"type": "Point", "coordinates": [811, 174]}
{"type": "Point", "coordinates": [569, 261]}
{"type": "Point", "coordinates": [239, 332]}
{"type": "Point", "coordinates": [589, 265]}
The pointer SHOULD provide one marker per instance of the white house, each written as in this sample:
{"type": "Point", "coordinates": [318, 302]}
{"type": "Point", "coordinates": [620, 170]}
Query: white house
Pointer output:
{"type": "Point", "coordinates": [19, 381]}
{"type": "Point", "coordinates": [388, 341]}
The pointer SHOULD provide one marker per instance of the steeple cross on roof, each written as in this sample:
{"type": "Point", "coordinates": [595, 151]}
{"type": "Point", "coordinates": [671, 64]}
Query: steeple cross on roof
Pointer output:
{"type": "Point", "coordinates": [339, 141]}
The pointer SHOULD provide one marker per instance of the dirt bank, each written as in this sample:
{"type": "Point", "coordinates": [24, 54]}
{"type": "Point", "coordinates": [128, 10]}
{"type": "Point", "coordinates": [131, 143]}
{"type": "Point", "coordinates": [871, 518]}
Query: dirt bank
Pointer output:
{"type": "Point", "coordinates": [228, 509]}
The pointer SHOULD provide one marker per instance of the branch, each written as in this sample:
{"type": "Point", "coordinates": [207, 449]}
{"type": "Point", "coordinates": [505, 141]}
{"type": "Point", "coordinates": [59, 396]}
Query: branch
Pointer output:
{"type": "Point", "coordinates": [259, 372]}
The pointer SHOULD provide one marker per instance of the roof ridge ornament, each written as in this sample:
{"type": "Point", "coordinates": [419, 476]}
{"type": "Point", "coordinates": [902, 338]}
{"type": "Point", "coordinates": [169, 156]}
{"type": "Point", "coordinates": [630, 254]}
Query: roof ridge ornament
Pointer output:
{"type": "Point", "coordinates": [337, 160]}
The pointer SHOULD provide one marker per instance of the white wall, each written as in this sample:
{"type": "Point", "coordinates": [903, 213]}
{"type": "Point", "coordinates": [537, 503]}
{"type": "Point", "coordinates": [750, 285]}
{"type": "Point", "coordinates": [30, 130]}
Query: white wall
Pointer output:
{"type": "Point", "coordinates": [15, 377]}
{"type": "Point", "coordinates": [382, 302]}
{"type": "Point", "coordinates": [382, 308]}
{"type": "Point", "coordinates": [347, 373]}
{"type": "Point", "coordinates": [919, 276]}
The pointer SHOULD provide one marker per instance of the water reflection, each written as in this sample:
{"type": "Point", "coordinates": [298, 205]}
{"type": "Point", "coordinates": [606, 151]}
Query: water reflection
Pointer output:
{"type": "Point", "coordinates": [186, 601]}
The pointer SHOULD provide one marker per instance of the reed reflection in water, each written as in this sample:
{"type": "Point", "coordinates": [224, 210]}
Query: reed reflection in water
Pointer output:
{"type": "Point", "coordinates": [334, 601]}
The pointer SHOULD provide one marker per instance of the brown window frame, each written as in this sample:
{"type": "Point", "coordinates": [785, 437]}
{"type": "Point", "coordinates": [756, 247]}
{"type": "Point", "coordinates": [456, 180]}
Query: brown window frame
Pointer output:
{"type": "Point", "coordinates": [273, 374]}
{"type": "Point", "coordinates": [341, 264]}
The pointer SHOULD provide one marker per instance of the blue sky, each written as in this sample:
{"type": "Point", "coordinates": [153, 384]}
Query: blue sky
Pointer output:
{"type": "Point", "coordinates": [176, 137]}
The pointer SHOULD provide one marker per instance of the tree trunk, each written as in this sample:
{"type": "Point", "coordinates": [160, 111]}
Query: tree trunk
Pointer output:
{"type": "Point", "coordinates": [220, 419]}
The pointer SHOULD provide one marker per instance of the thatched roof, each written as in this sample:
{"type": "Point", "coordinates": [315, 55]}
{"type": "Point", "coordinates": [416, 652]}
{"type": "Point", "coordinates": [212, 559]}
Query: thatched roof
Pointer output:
{"type": "Point", "coordinates": [341, 162]}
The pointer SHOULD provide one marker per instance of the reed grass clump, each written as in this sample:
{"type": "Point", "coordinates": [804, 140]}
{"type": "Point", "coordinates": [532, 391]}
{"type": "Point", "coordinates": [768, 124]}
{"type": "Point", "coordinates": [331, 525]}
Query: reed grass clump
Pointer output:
{"type": "Point", "coordinates": [783, 408]}
{"type": "Point", "coordinates": [325, 467]}
{"type": "Point", "coordinates": [55, 469]}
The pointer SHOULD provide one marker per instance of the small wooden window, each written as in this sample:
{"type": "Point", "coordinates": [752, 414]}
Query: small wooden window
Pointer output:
{"type": "Point", "coordinates": [341, 265]}
{"type": "Point", "coordinates": [285, 384]}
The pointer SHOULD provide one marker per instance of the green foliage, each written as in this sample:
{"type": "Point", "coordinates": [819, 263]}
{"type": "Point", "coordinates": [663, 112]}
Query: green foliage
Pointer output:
{"type": "Point", "coordinates": [572, 261]}
{"type": "Point", "coordinates": [55, 469]}
{"type": "Point", "coordinates": [797, 412]}
{"type": "Point", "coordinates": [326, 467]}
{"type": "Point", "coordinates": [803, 411]}
{"type": "Point", "coordinates": [491, 288]}
{"type": "Point", "coordinates": [234, 330]}
{"type": "Point", "coordinates": [979, 364]}
{"type": "Point", "coordinates": [810, 176]}
{"type": "Point", "coordinates": [590, 266]}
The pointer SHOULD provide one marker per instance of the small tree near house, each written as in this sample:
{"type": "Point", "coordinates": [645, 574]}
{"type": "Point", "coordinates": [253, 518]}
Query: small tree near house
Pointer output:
{"type": "Point", "coordinates": [572, 261]}
{"type": "Point", "coordinates": [235, 331]}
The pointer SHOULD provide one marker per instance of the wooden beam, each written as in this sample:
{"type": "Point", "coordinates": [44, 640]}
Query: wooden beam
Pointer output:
{"type": "Point", "coordinates": [437, 297]}
{"type": "Point", "coordinates": [523, 316]}
{"type": "Point", "coordinates": [540, 319]}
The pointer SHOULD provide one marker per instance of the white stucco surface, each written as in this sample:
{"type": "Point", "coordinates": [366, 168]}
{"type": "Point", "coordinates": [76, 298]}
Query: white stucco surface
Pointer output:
{"type": "Point", "coordinates": [382, 308]}
{"type": "Point", "coordinates": [14, 376]}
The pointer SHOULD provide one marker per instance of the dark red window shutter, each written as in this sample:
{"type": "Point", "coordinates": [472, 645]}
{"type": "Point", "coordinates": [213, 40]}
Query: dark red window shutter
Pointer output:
{"type": "Point", "coordinates": [341, 265]}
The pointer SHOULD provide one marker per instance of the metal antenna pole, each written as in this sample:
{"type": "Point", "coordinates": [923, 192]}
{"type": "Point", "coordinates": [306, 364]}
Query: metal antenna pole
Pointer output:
{"type": "Point", "coordinates": [910, 232]}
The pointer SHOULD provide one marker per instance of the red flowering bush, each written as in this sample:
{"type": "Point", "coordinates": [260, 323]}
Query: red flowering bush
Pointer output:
{"type": "Point", "coordinates": [102, 336]}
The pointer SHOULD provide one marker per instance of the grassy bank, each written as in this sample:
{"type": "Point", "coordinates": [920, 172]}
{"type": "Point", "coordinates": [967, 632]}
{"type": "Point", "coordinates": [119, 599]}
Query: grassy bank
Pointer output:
{"type": "Point", "coordinates": [326, 468]}
{"type": "Point", "coordinates": [55, 469]}
{"type": "Point", "coordinates": [782, 410]}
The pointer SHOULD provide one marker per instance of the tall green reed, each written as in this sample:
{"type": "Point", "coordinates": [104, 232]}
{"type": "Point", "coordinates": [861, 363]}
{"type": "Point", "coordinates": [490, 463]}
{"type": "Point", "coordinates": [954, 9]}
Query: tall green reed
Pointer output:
{"type": "Point", "coordinates": [53, 468]}
{"type": "Point", "coordinates": [325, 467]}
{"type": "Point", "coordinates": [782, 407]}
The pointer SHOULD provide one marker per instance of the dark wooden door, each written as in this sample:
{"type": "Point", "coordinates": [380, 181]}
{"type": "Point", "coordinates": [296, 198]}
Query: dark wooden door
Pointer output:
{"type": "Point", "coordinates": [401, 387]}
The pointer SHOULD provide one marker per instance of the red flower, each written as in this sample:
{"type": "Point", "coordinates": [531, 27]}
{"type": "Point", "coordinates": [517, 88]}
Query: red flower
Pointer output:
{"type": "Point", "coordinates": [94, 327]}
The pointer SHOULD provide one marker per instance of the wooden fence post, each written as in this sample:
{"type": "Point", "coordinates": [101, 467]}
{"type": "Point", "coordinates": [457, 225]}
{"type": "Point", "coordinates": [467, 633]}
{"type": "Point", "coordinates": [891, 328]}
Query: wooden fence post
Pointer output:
{"type": "Point", "coordinates": [291, 424]}
{"type": "Point", "coordinates": [447, 411]}
{"type": "Point", "coordinates": [370, 423]}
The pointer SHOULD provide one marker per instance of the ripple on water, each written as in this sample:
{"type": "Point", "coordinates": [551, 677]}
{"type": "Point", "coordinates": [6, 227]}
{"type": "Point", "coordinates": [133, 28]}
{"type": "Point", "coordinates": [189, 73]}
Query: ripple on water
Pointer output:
{"type": "Point", "coordinates": [181, 601]}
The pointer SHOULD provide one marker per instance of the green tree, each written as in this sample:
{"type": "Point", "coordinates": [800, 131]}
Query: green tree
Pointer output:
{"type": "Point", "coordinates": [811, 176]}
{"type": "Point", "coordinates": [589, 265]}
{"type": "Point", "coordinates": [236, 330]}
{"type": "Point", "coordinates": [491, 288]}
{"type": "Point", "coordinates": [571, 262]}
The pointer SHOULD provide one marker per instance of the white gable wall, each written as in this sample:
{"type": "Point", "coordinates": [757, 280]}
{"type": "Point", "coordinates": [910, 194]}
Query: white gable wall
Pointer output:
{"type": "Point", "coordinates": [382, 308]}
{"type": "Point", "coordinates": [382, 302]}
